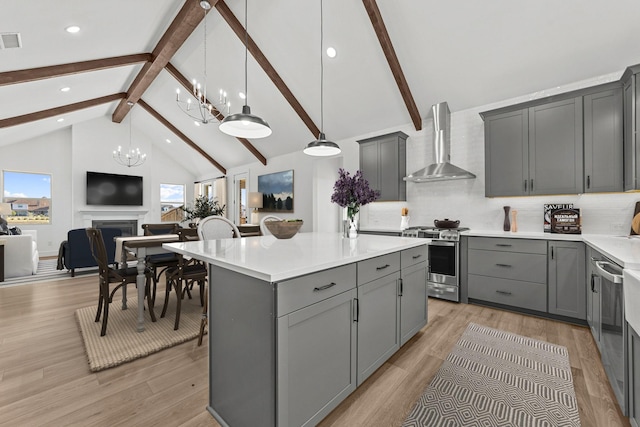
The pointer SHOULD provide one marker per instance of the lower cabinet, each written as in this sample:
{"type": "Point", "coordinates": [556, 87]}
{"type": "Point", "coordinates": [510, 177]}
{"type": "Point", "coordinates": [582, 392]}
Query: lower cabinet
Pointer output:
{"type": "Point", "coordinates": [567, 290]}
{"type": "Point", "coordinates": [316, 367]}
{"type": "Point", "coordinates": [413, 300]}
{"type": "Point", "coordinates": [378, 323]}
{"type": "Point", "coordinates": [634, 376]}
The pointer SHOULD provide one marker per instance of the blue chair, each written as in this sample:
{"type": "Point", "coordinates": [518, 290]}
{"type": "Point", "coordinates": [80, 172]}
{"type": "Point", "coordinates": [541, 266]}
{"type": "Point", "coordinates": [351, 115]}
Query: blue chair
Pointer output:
{"type": "Point", "coordinates": [77, 250]}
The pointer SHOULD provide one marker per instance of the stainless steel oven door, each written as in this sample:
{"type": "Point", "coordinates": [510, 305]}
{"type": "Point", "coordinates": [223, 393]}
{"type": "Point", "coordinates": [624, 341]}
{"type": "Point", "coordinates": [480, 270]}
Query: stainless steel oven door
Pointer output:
{"type": "Point", "coordinates": [448, 292]}
{"type": "Point", "coordinates": [443, 262]}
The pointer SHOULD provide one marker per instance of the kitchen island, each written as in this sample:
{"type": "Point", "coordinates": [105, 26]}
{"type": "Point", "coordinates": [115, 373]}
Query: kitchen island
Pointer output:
{"type": "Point", "coordinates": [296, 325]}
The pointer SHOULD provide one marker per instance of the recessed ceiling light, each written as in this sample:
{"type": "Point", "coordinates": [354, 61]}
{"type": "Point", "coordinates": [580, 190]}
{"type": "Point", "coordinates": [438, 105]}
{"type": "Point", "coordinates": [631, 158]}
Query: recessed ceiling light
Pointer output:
{"type": "Point", "coordinates": [72, 29]}
{"type": "Point", "coordinates": [168, 141]}
{"type": "Point", "coordinates": [242, 95]}
{"type": "Point", "coordinates": [331, 52]}
{"type": "Point", "coordinates": [196, 123]}
{"type": "Point", "coordinates": [60, 120]}
{"type": "Point", "coordinates": [65, 89]}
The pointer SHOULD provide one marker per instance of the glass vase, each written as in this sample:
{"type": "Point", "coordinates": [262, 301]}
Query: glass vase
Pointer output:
{"type": "Point", "coordinates": [353, 228]}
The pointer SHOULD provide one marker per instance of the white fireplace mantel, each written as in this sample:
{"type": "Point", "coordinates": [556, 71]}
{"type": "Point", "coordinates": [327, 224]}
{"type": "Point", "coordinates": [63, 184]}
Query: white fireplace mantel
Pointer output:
{"type": "Point", "coordinates": [88, 215]}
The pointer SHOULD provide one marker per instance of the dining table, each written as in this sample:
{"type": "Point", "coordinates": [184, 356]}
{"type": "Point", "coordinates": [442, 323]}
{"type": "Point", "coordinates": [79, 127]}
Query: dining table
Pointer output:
{"type": "Point", "coordinates": [139, 247]}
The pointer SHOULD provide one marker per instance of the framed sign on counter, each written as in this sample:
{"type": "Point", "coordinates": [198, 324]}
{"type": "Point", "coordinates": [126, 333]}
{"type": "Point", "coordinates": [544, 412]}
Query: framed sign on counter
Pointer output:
{"type": "Point", "coordinates": [566, 221]}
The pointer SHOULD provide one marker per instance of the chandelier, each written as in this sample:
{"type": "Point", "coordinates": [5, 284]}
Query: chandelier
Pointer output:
{"type": "Point", "coordinates": [202, 110]}
{"type": "Point", "coordinates": [132, 157]}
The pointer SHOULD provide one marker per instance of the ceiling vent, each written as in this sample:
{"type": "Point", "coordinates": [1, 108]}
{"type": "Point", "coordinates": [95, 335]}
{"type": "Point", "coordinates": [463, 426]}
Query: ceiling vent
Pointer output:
{"type": "Point", "coordinates": [10, 40]}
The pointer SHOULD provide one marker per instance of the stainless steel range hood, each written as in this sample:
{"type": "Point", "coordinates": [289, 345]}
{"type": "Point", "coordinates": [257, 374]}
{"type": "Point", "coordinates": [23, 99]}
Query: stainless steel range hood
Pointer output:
{"type": "Point", "coordinates": [441, 170]}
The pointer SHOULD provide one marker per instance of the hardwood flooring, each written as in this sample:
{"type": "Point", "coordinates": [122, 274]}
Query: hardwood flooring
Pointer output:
{"type": "Point", "coordinates": [45, 379]}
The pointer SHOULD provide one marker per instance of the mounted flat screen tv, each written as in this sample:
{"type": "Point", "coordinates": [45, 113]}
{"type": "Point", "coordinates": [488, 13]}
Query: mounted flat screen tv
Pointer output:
{"type": "Point", "coordinates": [106, 189]}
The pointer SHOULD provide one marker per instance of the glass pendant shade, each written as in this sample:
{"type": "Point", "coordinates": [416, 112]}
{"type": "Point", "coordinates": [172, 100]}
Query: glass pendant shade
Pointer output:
{"type": "Point", "coordinates": [321, 147]}
{"type": "Point", "coordinates": [245, 125]}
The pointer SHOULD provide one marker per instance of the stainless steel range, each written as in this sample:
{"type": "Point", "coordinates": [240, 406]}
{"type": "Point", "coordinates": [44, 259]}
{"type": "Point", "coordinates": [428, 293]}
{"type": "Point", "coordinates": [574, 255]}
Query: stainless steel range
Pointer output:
{"type": "Point", "coordinates": [443, 280]}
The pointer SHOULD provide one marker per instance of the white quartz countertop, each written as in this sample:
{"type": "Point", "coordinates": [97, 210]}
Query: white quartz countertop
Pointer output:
{"type": "Point", "coordinates": [274, 260]}
{"type": "Point", "coordinates": [631, 298]}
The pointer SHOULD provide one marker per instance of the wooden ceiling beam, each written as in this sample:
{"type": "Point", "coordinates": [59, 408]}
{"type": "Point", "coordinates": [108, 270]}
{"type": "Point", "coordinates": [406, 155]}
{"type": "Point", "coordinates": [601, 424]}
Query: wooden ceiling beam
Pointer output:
{"type": "Point", "coordinates": [262, 60]}
{"type": "Point", "coordinates": [182, 26]}
{"type": "Point", "coordinates": [392, 59]}
{"type": "Point", "coordinates": [181, 135]}
{"type": "Point", "coordinates": [41, 73]}
{"type": "Point", "coordinates": [52, 112]}
{"type": "Point", "coordinates": [188, 86]}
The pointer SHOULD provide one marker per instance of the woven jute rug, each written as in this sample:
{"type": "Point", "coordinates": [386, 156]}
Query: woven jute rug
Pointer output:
{"type": "Point", "coordinates": [496, 378]}
{"type": "Point", "coordinates": [123, 343]}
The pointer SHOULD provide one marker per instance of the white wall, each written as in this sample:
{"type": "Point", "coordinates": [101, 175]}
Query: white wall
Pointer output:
{"type": "Point", "coordinates": [69, 153]}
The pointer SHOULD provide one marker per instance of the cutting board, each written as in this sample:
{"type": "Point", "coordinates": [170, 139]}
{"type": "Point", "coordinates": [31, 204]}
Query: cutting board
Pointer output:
{"type": "Point", "coordinates": [635, 222]}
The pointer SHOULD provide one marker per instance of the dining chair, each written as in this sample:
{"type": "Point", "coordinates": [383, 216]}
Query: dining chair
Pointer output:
{"type": "Point", "coordinates": [158, 263]}
{"type": "Point", "coordinates": [211, 228]}
{"type": "Point", "coordinates": [108, 275]}
{"type": "Point", "coordinates": [263, 228]}
{"type": "Point", "coordinates": [182, 277]}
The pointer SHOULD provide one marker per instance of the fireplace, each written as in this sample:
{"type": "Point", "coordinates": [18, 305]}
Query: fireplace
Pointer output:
{"type": "Point", "coordinates": [129, 227]}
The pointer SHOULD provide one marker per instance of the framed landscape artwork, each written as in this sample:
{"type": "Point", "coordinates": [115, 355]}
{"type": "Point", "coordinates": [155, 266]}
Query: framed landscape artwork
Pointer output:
{"type": "Point", "coordinates": [277, 191]}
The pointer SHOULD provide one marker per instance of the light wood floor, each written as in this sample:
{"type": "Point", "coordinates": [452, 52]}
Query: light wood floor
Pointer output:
{"type": "Point", "coordinates": [45, 379]}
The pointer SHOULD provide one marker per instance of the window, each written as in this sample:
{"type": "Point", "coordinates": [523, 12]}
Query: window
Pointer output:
{"type": "Point", "coordinates": [171, 200]}
{"type": "Point", "coordinates": [29, 195]}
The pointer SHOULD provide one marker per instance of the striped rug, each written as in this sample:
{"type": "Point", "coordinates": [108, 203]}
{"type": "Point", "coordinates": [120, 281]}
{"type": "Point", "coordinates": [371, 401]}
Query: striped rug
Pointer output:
{"type": "Point", "coordinates": [496, 378]}
{"type": "Point", "coordinates": [123, 343]}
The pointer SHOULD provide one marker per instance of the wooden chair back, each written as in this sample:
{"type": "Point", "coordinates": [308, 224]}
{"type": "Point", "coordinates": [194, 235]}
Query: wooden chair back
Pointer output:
{"type": "Point", "coordinates": [163, 228]}
{"type": "Point", "coordinates": [98, 249]}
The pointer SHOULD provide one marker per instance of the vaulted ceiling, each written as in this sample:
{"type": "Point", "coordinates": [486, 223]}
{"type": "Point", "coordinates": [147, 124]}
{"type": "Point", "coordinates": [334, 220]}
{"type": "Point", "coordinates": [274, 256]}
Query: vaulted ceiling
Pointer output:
{"type": "Point", "coordinates": [395, 59]}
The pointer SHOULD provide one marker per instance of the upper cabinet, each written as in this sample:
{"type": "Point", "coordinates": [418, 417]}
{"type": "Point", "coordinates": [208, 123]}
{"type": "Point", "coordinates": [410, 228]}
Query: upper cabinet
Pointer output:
{"type": "Point", "coordinates": [631, 95]}
{"type": "Point", "coordinates": [566, 144]}
{"type": "Point", "coordinates": [383, 162]}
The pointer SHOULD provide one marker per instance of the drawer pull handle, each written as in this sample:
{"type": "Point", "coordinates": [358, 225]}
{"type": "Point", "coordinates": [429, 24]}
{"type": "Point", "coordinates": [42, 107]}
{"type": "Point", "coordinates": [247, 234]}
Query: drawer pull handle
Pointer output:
{"type": "Point", "coordinates": [383, 267]}
{"type": "Point", "coordinates": [417, 256]}
{"type": "Point", "coordinates": [503, 292]}
{"type": "Point", "coordinates": [504, 265]}
{"type": "Point", "coordinates": [322, 288]}
{"type": "Point", "coordinates": [503, 245]}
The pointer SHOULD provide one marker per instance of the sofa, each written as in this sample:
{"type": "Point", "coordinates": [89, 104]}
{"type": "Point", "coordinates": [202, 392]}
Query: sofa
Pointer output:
{"type": "Point", "coordinates": [21, 254]}
{"type": "Point", "coordinates": [75, 252]}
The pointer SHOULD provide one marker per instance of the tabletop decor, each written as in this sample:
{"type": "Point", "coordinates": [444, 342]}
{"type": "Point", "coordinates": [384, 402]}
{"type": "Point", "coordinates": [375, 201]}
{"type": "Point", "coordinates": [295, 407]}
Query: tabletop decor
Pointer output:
{"type": "Point", "coordinates": [352, 192]}
{"type": "Point", "coordinates": [285, 229]}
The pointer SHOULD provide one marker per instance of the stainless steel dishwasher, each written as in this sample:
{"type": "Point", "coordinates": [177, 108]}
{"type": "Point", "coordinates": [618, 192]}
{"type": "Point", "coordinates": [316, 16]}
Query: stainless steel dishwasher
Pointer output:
{"type": "Point", "coordinates": [613, 328]}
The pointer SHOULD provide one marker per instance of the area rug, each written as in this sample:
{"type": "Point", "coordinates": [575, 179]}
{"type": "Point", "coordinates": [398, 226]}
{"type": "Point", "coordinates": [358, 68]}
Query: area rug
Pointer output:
{"type": "Point", "coordinates": [123, 343]}
{"type": "Point", "coordinates": [496, 378]}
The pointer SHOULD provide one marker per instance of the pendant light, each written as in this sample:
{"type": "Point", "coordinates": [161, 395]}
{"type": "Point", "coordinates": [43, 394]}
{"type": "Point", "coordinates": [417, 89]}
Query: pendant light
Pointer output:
{"type": "Point", "coordinates": [245, 124]}
{"type": "Point", "coordinates": [321, 146]}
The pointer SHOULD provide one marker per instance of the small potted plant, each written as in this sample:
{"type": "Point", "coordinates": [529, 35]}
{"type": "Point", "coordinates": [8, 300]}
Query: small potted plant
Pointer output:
{"type": "Point", "coordinates": [203, 207]}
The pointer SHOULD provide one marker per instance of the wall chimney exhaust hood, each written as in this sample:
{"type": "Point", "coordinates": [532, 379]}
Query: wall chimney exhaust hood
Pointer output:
{"type": "Point", "coordinates": [441, 170]}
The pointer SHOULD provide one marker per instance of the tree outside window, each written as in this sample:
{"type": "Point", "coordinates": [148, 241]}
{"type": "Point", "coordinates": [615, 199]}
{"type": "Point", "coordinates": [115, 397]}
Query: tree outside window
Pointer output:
{"type": "Point", "coordinates": [171, 199]}
{"type": "Point", "coordinates": [29, 195]}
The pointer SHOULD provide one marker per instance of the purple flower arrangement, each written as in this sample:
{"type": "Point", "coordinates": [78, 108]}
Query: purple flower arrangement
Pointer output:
{"type": "Point", "coordinates": [351, 192]}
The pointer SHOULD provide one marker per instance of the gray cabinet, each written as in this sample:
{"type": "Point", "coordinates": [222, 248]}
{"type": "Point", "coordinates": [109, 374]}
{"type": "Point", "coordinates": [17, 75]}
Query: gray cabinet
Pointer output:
{"type": "Point", "coordinates": [383, 162]}
{"type": "Point", "coordinates": [564, 144]}
{"type": "Point", "coordinates": [555, 147]}
{"type": "Point", "coordinates": [316, 363]}
{"type": "Point", "coordinates": [631, 114]}
{"type": "Point", "coordinates": [506, 139]}
{"type": "Point", "coordinates": [413, 300]}
{"type": "Point", "coordinates": [634, 376]}
{"type": "Point", "coordinates": [603, 144]}
{"type": "Point", "coordinates": [378, 324]}
{"type": "Point", "coordinates": [567, 290]}
{"type": "Point", "coordinates": [593, 296]}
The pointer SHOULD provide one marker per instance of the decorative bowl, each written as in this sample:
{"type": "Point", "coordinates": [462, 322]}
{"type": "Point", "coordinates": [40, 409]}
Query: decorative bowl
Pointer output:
{"type": "Point", "coordinates": [283, 229]}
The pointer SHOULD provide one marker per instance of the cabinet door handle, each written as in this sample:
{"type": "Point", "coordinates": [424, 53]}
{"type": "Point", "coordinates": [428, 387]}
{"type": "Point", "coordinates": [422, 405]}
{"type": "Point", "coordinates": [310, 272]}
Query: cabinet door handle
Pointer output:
{"type": "Point", "coordinates": [503, 245]}
{"type": "Point", "coordinates": [503, 265]}
{"type": "Point", "coordinates": [531, 184]}
{"type": "Point", "coordinates": [417, 256]}
{"type": "Point", "coordinates": [401, 287]}
{"type": "Point", "coordinates": [322, 288]}
{"type": "Point", "coordinates": [383, 267]}
{"type": "Point", "coordinates": [593, 277]}
{"type": "Point", "coordinates": [503, 292]}
{"type": "Point", "coordinates": [551, 252]}
{"type": "Point", "coordinates": [525, 185]}
{"type": "Point", "coordinates": [588, 181]}
{"type": "Point", "coordinates": [356, 309]}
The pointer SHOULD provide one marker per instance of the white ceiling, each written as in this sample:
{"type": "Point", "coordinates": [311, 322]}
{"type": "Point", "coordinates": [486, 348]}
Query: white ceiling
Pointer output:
{"type": "Point", "coordinates": [466, 52]}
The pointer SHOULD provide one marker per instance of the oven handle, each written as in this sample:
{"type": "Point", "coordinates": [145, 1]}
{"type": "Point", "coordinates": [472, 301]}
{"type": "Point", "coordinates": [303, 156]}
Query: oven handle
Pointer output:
{"type": "Point", "coordinates": [441, 243]}
{"type": "Point", "coordinates": [615, 278]}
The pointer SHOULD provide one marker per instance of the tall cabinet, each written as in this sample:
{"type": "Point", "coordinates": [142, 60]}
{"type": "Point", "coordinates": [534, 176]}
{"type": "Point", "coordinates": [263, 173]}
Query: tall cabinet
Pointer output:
{"type": "Point", "coordinates": [631, 95]}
